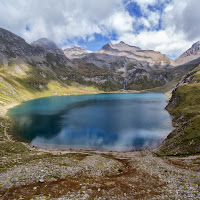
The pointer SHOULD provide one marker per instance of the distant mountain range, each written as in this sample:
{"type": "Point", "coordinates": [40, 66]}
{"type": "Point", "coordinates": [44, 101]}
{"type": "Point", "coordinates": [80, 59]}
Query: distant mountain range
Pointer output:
{"type": "Point", "coordinates": [113, 67]}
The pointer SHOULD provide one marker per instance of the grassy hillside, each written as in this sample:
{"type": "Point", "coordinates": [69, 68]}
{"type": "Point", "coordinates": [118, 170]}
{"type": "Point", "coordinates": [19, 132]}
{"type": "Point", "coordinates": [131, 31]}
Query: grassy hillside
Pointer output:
{"type": "Point", "coordinates": [185, 106]}
{"type": "Point", "coordinates": [23, 82]}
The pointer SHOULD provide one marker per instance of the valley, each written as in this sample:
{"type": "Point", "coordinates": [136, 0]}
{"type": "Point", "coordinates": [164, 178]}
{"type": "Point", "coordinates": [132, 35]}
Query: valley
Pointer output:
{"type": "Point", "coordinates": [40, 69]}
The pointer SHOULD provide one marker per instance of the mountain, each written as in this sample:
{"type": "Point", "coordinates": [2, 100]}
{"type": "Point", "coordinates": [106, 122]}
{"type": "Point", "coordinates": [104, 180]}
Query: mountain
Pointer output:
{"type": "Point", "coordinates": [48, 46]}
{"type": "Point", "coordinates": [192, 55]}
{"type": "Point", "coordinates": [75, 52]}
{"type": "Point", "coordinates": [42, 69]}
{"type": "Point", "coordinates": [151, 58]}
{"type": "Point", "coordinates": [124, 53]}
{"type": "Point", "coordinates": [113, 67]}
{"type": "Point", "coordinates": [13, 47]}
{"type": "Point", "coordinates": [138, 69]}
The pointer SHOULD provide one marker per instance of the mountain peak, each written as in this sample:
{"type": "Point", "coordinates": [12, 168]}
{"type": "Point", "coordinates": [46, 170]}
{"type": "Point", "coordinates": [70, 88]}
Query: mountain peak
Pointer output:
{"type": "Point", "coordinates": [108, 46]}
{"type": "Point", "coordinates": [44, 40]}
{"type": "Point", "coordinates": [189, 55]}
{"type": "Point", "coordinates": [74, 52]}
{"type": "Point", "coordinates": [122, 44]}
{"type": "Point", "coordinates": [48, 45]}
{"type": "Point", "coordinates": [196, 44]}
{"type": "Point", "coordinates": [75, 48]}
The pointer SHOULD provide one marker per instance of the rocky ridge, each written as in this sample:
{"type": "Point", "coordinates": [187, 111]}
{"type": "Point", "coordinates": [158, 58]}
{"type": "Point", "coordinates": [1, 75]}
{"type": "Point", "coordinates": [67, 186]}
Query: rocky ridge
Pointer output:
{"type": "Point", "coordinates": [190, 55]}
{"type": "Point", "coordinates": [184, 105]}
{"type": "Point", "coordinates": [114, 67]}
{"type": "Point", "coordinates": [75, 52]}
{"type": "Point", "coordinates": [48, 46]}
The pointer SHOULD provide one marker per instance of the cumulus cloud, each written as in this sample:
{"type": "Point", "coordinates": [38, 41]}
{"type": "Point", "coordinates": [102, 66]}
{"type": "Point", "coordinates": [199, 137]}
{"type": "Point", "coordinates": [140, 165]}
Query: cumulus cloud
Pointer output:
{"type": "Point", "coordinates": [179, 27]}
{"type": "Point", "coordinates": [57, 20]}
{"type": "Point", "coordinates": [164, 41]}
{"type": "Point", "coordinates": [120, 22]}
{"type": "Point", "coordinates": [171, 29]}
{"type": "Point", "coordinates": [184, 15]}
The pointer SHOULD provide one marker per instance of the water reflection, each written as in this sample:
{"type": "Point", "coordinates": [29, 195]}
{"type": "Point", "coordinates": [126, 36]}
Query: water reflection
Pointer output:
{"type": "Point", "coordinates": [118, 122]}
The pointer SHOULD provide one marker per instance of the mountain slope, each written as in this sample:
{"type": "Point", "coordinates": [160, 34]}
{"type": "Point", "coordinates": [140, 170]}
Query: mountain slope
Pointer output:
{"type": "Point", "coordinates": [75, 52]}
{"type": "Point", "coordinates": [150, 57]}
{"type": "Point", "coordinates": [191, 55]}
{"type": "Point", "coordinates": [114, 67]}
{"type": "Point", "coordinates": [139, 69]}
{"type": "Point", "coordinates": [185, 105]}
{"type": "Point", "coordinates": [13, 47]}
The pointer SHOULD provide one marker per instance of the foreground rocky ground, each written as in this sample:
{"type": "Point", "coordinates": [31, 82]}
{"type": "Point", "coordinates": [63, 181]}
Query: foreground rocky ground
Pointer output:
{"type": "Point", "coordinates": [31, 173]}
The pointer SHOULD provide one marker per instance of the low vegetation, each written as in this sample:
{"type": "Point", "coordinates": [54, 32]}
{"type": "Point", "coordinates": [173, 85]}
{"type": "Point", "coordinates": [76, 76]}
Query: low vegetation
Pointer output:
{"type": "Point", "coordinates": [185, 106]}
{"type": "Point", "coordinates": [45, 174]}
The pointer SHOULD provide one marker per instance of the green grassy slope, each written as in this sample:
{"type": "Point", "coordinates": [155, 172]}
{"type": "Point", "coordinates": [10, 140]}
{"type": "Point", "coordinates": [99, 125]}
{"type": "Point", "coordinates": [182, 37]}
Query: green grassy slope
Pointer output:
{"type": "Point", "coordinates": [19, 83]}
{"type": "Point", "coordinates": [185, 105]}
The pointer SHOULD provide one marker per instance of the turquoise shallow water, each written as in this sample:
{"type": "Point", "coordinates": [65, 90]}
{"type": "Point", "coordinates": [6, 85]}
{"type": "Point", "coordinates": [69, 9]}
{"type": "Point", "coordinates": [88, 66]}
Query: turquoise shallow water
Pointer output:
{"type": "Point", "coordinates": [117, 122]}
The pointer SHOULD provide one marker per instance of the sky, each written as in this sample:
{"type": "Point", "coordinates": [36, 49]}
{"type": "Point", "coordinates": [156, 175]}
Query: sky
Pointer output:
{"type": "Point", "coordinates": [168, 26]}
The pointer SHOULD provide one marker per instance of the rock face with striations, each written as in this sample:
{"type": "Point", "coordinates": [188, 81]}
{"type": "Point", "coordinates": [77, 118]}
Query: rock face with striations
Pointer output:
{"type": "Point", "coordinates": [131, 63]}
{"type": "Point", "coordinates": [125, 54]}
{"type": "Point", "coordinates": [15, 48]}
{"type": "Point", "coordinates": [192, 55]}
{"type": "Point", "coordinates": [152, 58]}
{"type": "Point", "coordinates": [113, 67]}
{"type": "Point", "coordinates": [75, 52]}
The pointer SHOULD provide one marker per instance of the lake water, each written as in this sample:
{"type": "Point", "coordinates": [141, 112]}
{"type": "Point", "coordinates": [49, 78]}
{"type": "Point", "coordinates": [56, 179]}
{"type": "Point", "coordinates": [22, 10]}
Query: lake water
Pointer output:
{"type": "Point", "coordinates": [117, 122]}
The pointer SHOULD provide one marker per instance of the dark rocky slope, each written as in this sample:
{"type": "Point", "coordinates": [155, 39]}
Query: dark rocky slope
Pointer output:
{"type": "Point", "coordinates": [35, 66]}
{"type": "Point", "coordinates": [185, 106]}
{"type": "Point", "coordinates": [112, 68]}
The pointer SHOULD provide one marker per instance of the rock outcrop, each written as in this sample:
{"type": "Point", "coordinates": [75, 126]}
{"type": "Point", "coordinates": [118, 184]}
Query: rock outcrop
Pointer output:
{"type": "Point", "coordinates": [185, 106]}
{"type": "Point", "coordinates": [190, 56]}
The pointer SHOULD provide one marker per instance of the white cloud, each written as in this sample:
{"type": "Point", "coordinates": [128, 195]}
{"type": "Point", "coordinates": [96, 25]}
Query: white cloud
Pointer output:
{"type": "Point", "coordinates": [72, 20]}
{"type": "Point", "coordinates": [179, 27]}
{"type": "Point", "coordinates": [57, 20]}
{"type": "Point", "coordinates": [120, 22]}
{"type": "Point", "coordinates": [164, 41]}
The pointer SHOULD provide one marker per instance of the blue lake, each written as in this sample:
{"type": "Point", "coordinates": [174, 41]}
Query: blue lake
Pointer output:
{"type": "Point", "coordinates": [117, 122]}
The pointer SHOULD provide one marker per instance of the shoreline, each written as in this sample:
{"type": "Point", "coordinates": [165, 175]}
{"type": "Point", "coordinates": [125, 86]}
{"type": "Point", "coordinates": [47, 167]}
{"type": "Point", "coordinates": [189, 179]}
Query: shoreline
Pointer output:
{"type": "Point", "coordinates": [26, 144]}
{"type": "Point", "coordinates": [35, 173]}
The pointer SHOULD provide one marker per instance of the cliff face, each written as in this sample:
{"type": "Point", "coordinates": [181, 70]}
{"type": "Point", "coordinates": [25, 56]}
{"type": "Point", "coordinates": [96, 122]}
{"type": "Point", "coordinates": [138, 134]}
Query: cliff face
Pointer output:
{"type": "Point", "coordinates": [185, 106]}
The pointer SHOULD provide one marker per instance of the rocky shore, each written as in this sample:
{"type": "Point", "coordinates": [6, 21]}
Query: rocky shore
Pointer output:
{"type": "Point", "coordinates": [32, 173]}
